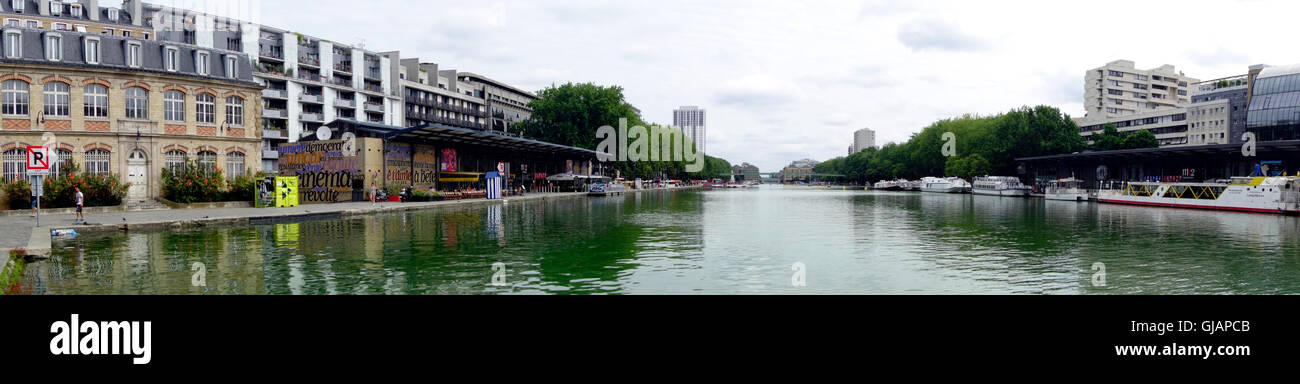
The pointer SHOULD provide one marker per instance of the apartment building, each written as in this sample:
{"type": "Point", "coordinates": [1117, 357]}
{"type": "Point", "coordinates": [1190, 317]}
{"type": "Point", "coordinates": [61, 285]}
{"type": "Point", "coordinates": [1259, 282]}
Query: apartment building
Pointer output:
{"type": "Point", "coordinates": [863, 139]}
{"type": "Point", "coordinates": [433, 96]}
{"type": "Point", "coordinates": [1119, 89]}
{"type": "Point", "coordinates": [1170, 126]}
{"type": "Point", "coordinates": [1217, 114]}
{"type": "Point", "coordinates": [693, 121]}
{"type": "Point", "coordinates": [307, 81]}
{"type": "Point", "coordinates": [506, 104]}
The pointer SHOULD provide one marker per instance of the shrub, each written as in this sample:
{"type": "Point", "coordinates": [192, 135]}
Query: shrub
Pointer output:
{"type": "Point", "coordinates": [190, 184]}
{"type": "Point", "coordinates": [243, 187]}
{"type": "Point", "coordinates": [18, 194]}
{"type": "Point", "coordinates": [61, 192]}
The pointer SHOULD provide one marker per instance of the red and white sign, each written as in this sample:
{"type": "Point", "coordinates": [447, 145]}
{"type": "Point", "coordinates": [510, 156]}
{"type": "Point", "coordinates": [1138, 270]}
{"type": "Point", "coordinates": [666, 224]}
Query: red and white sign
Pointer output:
{"type": "Point", "coordinates": [38, 159]}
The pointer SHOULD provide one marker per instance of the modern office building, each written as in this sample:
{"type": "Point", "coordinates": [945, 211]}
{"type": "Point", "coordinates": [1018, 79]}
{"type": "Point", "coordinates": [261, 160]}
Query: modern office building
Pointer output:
{"type": "Point", "coordinates": [1119, 89]}
{"type": "Point", "coordinates": [1274, 112]}
{"type": "Point", "coordinates": [693, 122]}
{"type": "Point", "coordinates": [863, 139]}
{"type": "Point", "coordinates": [125, 105]}
{"type": "Point", "coordinates": [307, 81]}
{"type": "Point", "coordinates": [1217, 114]}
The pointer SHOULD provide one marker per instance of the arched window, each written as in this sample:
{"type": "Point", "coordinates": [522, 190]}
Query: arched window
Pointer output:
{"type": "Point", "coordinates": [15, 164]}
{"type": "Point", "coordinates": [64, 162]}
{"type": "Point", "coordinates": [174, 106]}
{"type": "Point", "coordinates": [137, 103]}
{"type": "Point", "coordinates": [235, 164]}
{"type": "Point", "coordinates": [207, 162]}
{"type": "Point", "coordinates": [235, 111]}
{"type": "Point", "coordinates": [56, 99]}
{"type": "Point", "coordinates": [96, 100]}
{"type": "Point", "coordinates": [14, 97]}
{"type": "Point", "coordinates": [174, 160]}
{"type": "Point", "coordinates": [97, 161]}
{"type": "Point", "coordinates": [204, 106]}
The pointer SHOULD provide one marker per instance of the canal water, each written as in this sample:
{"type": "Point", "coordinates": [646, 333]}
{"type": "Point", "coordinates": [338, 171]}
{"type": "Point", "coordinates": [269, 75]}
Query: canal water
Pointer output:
{"type": "Point", "coordinates": [771, 240]}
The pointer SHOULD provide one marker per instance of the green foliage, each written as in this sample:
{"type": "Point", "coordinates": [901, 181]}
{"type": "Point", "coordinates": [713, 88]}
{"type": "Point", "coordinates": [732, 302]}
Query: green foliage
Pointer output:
{"type": "Point", "coordinates": [985, 146]}
{"type": "Point", "coordinates": [570, 114]}
{"type": "Point", "coordinates": [61, 192]}
{"type": "Point", "coordinates": [191, 184]}
{"type": "Point", "coordinates": [1110, 139]}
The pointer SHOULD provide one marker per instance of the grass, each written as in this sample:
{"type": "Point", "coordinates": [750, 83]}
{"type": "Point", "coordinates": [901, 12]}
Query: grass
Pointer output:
{"type": "Point", "coordinates": [12, 272]}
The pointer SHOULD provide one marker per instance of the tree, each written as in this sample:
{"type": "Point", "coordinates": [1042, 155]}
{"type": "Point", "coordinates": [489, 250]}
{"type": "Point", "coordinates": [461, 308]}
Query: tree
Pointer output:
{"type": "Point", "coordinates": [1141, 139]}
{"type": "Point", "coordinates": [1108, 140]}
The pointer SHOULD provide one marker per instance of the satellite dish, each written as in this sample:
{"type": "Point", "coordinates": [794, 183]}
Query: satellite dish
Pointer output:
{"type": "Point", "coordinates": [323, 133]}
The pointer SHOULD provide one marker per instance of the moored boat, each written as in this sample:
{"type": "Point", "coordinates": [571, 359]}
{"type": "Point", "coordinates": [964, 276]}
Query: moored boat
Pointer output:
{"type": "Point", "coordinates": [945, 185]}
{"type": "Point", "coordinates": [1245, 194]}
{"type": "Point", "coordinates": [886, 185]}
{"type": "Point", "coordinates": [999, 186]}
{"type": "Point", "coordinates": [1066, 190]}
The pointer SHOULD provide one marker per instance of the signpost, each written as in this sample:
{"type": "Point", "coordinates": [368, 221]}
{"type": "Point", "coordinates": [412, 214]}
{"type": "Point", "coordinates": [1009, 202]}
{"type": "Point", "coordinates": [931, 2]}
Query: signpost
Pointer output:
{"type": "Point", "coordinates": [38, 166]}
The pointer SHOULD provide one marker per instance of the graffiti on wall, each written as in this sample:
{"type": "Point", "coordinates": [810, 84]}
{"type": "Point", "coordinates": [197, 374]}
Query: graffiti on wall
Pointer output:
{"type": "Point", "coordinates": [325, 172]}
{"type": "Point", "coordinates": [397, 161]}
{"type": "Point", "coordinates": [449, 160]}
{"type": "Point", "coordinates": [424, 167]}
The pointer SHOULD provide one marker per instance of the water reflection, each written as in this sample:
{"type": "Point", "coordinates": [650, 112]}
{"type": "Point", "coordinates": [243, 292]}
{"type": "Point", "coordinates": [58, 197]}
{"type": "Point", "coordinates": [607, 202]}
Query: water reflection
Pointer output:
{"type": "Point", "coordinates": [704, 242]}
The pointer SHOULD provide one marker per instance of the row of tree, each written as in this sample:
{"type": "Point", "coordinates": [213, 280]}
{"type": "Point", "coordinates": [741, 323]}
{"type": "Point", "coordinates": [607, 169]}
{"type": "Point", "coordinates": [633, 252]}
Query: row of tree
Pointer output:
{"type": "Point", "coordinates": [978, 146]}
{"type": "Point", "coordinates": [570, 114]}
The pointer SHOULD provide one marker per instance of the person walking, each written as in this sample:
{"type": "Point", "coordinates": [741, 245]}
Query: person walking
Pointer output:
{"type": "Point", "coordinates": [34, 205]}
{"type": "Point", "coordinates": [374, 190]}
{"type": "Point", "coordinates": [81, 202]}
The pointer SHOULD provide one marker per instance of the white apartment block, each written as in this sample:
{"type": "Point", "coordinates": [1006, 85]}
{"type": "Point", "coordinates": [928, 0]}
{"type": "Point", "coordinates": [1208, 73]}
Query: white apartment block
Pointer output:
{"type": "Point", "coordinates": [863, 139]}
{"type": "Point", "coordinates": [1208, 122]}
{"type": "Point", "coordinates": [1120, 89]}
{"type": "Point", "coordinates": [692, 121]}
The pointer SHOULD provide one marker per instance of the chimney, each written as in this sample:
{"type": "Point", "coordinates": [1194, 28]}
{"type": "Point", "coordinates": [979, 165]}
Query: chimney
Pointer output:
{"type": "Point", "coordinates": [44, 7]}
{"type": "Point", "coordinates": [136, 8]}
{"type": "Point", "coordinates": [92, 8]}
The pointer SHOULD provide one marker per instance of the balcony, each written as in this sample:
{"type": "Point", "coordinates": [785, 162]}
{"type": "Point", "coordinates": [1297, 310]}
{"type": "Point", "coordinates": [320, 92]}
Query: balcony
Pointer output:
{"type": "Point", "coordinates": [373, 74]}
{"type": "Point", "coordinates": [345, 103]}
{"type": "Point", "coordinates": [341, 82]}
{"type": "Point", "coordinates": [270, 154]}
{"type": "Point", "coordinates": [374, 88]}
{"type": "Point", "coordinates": [275, 94]}
{"type": "Point", "coordinates": [310, 98]}
{"type": "Point", "coordinates": [344, 66]}
{"type": "Point", "coordinates": [275, 134]}
{"type": "Point", "coordinates": [310, 117]}
{"type": "Point", "coordinates": [270, 113]}
{"type": "Point", "coordinates": [311, 77]}
{"type": "Point", "coordinates": [311, 60]}
{"type": "Point", "coordinates": [374, 107]}
{"type": "Point", "coordinates": [271, 52]}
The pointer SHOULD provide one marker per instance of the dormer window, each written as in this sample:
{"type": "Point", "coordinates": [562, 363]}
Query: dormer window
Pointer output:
{"type": "Point", "coordinates": [75, 9]}
{"type": "Point", "coordinates": [113, 14]}
{"type": "Point", "coordinates": [18, 5]}
{"type": "Point", "coordinates": [232, 66]}
{"type": "Point", "coordinates": [13, 44]}
{"type": "Point", "coordinates": [53, 47]}
{"type": "Point", "coordinates": [62, 27]}
{"type": "Point", "coordinates": [91, 45]}
{"type": "Point", "coordinates": [171, 59]}
{"type": "Point", "coordinates": [133, 54]}
{"type": "Point", "coordinates": [56, 8]}
{"type": "Point", "coordinates": [201, 62]}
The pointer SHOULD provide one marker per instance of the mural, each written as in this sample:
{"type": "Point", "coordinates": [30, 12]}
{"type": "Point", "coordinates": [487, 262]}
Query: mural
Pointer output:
{"type": "Point", "coordinates": [449, 160]}
{"type": "Point", "coordinates": [424, 174]}
{"type": "Point", "coordinates": [397, 159]}
{"type": "Point", "coordinates": [325, 169]}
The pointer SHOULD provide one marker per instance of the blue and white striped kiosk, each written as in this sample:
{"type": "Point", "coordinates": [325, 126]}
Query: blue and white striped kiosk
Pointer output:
{"type": "Point", "coordinates": [493, 185]}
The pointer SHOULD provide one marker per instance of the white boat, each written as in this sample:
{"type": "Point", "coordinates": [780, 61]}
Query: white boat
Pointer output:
{"type": "Point", "coordinates": [602, 189]}
{"type": "Point", "coordinates": [1066, 190]}
{"type": "Point", "coordinates": [1245, 194]}
{"type": "Point", "coordinates": [999, 186]}
{"type": "Point", "coordinates": [885, 185]}
{"type": "Point", "coordinates": [945, 185]}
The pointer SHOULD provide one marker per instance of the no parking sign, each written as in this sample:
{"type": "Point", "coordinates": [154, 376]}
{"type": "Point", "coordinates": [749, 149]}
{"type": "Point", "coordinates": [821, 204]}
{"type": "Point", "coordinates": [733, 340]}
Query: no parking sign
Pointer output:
{"type": "Point", "coordinates": [38, 161]}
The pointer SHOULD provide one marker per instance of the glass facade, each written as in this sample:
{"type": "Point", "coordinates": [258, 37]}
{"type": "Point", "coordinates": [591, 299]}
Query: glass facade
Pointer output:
{"type": "Point", "coordinates": [1274, 112]}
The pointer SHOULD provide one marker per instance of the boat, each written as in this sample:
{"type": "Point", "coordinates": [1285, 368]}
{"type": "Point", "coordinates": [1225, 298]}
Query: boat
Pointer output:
{"type": "Point", "coordinates": [603, 189]}
{"type": "Point", "coordinates": [1279, 195]}
{"type": "Point", "coordinates": [909, 185]}
{"type": "Point", "coordinates": [884, 185]}
{"type": "Point", "coordinates": [945, 185]}
{"type": "Point", "coordinates": [999, 186]}
{"type": "Point", "coordinates": [1070, 189]}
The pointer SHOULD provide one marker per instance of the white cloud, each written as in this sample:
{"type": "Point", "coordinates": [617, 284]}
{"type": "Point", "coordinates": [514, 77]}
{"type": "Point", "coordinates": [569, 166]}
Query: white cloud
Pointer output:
{"type": "Point", "coordinates": [789, 79]}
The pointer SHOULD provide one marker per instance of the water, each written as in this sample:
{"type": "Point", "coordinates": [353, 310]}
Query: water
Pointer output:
{"type": "Point", "coordinates": [706, 242]}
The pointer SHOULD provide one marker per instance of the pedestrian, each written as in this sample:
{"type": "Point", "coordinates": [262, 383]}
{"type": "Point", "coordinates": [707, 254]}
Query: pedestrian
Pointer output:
{"type": "Point", "coordinates": [81, 202]}
{"type": "Point", "coordinates": [373, 191]}
{"type": "Point", "coordinates": [33, 205]}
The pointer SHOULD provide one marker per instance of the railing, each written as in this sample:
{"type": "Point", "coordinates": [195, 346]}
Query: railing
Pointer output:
{"type": "Point", "coordinates": [307, 59]}
{"type": "Point", "coordinates": [275, 93]}
{"type": "Point", "coordinates": [271, 52]}
{"type": "Point", "coordinates": [374, 88]}
{"type": "Point", "coordinates": [345, 103]}
{"type": "Point", "coordinates": [271, 68]}
{"type": "Point", "coordinates": [311, 76]}
{"type": "Point", "coordinates": [274, 134]}
{"type": "Point", "coordinates": [341, 82]}
{"type": "Point", "coordinates": [343, 67]}
{"type": "Point", "coordinates": [310, 117]}
{"type": "Point", "coordinates": [270, 154]}
{"type": "Point", "coordinates": [373, 73]}
{"type": "Point", "coordinates": [374, 107]}
{"type": "Point", "coordinates": [275, 113]}
{"type": "Point", "coordinates": [310, 98]}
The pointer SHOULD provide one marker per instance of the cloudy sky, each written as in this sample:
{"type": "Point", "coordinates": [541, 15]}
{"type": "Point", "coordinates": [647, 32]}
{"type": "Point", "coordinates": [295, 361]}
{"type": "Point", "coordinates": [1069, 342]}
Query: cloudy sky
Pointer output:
{"type": "Point", "coordinates": [785, 80]}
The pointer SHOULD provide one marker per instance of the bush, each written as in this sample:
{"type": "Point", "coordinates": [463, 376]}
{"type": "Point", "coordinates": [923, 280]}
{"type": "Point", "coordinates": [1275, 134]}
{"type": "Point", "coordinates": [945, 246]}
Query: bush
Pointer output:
{"type": "Point", "coordinates": [18, 194]}
{"type": "Point", "coordinates": [61, 192]}
{"type": "Point", "coordinates": [243, 187]}
{"type": "Point", "coordinates": [191, 184]}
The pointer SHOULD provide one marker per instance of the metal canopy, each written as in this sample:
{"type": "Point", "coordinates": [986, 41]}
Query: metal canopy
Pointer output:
{"type": "Point", "coordinates": [1191, 151]}
{"type": "Point", "coordinates": [449, 134]}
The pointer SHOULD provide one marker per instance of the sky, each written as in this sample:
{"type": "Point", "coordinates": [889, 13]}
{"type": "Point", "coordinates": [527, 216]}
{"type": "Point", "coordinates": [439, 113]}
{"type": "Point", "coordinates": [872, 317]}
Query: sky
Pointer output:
{"type": "Point", "coordinates": [787, 80]}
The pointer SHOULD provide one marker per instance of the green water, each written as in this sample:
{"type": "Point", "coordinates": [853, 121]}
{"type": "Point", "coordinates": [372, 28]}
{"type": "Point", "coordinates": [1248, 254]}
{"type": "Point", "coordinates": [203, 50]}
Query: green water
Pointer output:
{"type": "Point", "coordinates": [706, 242]}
